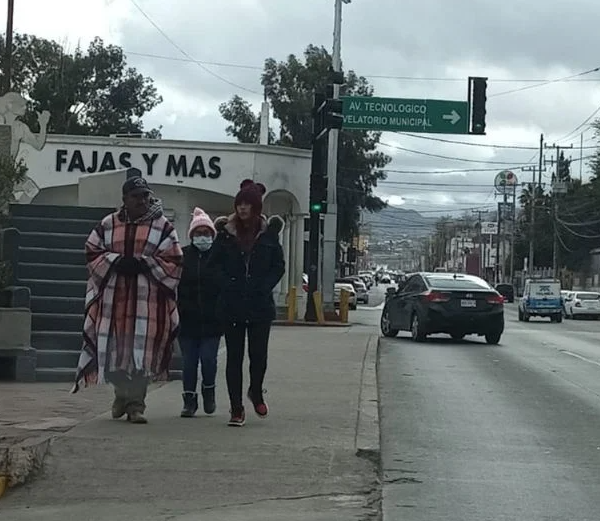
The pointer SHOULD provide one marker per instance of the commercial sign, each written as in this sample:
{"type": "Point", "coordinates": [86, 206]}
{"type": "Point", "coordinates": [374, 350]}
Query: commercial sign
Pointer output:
{"type": "Point", "coordinates": [505, 182]}
{"type": "Point", "coordinates": [489, 228]}
{"type": "Point", "coordinates": [406, 115]}
{"type": "Point", "coordinates": [89, 161]}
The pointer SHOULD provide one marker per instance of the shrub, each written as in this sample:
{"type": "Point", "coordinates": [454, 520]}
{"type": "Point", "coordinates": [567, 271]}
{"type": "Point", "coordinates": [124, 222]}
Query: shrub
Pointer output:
{"type": "Point", "coordinates": [11, 174]}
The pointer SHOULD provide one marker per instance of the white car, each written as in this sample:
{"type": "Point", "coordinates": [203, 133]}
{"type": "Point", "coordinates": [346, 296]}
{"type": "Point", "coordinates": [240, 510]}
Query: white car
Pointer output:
{"type": "Point", "coordinates": [582, 304]}
{"type": "Point", "coordinates": [337, 292]}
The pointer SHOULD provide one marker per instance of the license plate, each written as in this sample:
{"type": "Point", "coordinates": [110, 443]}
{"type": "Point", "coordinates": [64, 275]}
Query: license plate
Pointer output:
{"type": "Point", "coordinates": [468, 303]}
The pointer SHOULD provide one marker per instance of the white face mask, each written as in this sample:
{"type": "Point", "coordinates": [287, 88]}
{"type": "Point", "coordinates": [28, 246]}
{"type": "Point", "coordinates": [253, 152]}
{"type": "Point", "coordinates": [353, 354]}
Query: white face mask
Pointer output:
{"type": "Point", "coordinates": [203, 243]}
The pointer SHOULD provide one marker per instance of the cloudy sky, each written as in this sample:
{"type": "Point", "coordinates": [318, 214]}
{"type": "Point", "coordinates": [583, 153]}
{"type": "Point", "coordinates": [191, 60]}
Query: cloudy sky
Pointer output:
{"type": "Point", "coordinates": [540, 62]}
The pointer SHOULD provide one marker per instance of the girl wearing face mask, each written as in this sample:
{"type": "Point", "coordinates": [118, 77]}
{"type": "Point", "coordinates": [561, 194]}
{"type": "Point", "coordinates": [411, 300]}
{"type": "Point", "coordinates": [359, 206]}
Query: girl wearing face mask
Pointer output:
{"type": "Point", "coordinates": [200, 332]}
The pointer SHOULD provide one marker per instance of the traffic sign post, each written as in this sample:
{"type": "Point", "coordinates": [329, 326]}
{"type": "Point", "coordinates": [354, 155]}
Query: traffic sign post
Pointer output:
{"type": "Point", "coordinates": [405, 115]}
{"type": "Point", "coordinates": [489, 228]}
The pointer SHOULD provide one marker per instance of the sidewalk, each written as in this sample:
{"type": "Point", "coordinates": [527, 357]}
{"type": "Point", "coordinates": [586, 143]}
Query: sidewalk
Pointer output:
{"type": "Point", "coordinates": [299, 464]}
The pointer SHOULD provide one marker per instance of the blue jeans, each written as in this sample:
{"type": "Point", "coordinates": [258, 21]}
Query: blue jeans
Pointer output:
{"type": "Point", "coordinates": [199, 350]}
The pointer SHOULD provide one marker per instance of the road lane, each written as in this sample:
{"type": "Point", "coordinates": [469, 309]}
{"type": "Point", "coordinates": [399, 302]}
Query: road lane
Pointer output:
{"type": "Point", "coordinates": [472, 432]}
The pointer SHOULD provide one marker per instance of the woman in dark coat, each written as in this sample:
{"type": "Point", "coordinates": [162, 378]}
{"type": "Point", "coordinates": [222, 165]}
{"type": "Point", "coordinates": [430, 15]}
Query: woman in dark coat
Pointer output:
{"type": "Point", "coordinates": [249, 261]}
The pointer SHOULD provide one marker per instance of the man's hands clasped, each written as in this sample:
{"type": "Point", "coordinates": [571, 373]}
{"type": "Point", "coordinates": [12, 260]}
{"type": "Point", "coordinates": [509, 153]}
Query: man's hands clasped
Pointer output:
{"type": "Point", "coordinates": [131, 266]}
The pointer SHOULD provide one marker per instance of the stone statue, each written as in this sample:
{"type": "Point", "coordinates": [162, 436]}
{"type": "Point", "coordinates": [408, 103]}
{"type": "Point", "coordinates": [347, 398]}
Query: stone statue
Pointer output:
{"type": "Point", "coordinates": [12, 107]}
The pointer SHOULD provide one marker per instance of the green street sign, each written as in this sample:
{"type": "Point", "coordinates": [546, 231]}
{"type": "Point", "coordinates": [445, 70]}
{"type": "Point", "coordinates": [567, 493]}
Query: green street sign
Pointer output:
{"type": "Point", "coordinates": [406, 115]}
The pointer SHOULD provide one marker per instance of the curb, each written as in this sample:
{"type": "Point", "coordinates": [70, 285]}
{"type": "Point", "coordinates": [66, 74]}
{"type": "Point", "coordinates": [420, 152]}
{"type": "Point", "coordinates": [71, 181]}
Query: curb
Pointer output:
{"type": "Point", "coordinates": [309, 324]}
{"type": "Point", "coordinates": [366, 441]}
{"type": "Point", "coordinates": [19, 461]}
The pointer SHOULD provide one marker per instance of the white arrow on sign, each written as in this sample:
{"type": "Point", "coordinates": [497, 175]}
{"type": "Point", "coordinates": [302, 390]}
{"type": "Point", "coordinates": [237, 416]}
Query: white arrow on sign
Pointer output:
{"type": "Point", "coordinates": [453, 117]}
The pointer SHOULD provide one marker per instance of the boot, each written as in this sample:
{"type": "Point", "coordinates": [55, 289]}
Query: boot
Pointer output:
{"type": "Point", "coordinates": [136, 417]}
{"type": "Point", "coordinates": [208, 399]}
{"type": "Point", "coordinates": [190, 404]}
{"type": "Point", "coordinates": [119, 408]}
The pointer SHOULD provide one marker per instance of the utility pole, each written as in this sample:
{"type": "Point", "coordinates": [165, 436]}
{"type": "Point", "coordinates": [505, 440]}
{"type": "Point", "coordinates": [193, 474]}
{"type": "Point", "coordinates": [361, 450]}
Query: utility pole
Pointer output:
{"type": "Point", "coordinates": [481, 245]}
{"type": "Point", "coordinates": [512, 235]}
{"type": "Point", "coordinates": [534, 187]}
{"type": "Point", "coordinates": [557, 187]}
{"type": "Point", "coordinates": [8, 51]}
{"type": "Point", "coordinates": [330, 218]}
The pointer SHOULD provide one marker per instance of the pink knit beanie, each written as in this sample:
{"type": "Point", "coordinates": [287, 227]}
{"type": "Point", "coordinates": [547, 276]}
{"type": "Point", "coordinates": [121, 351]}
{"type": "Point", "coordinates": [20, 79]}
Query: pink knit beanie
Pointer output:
{"type": "Point", "coordinates": [200, 218]}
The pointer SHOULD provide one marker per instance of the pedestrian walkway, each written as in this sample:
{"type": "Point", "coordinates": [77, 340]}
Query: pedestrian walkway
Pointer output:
{"type": "Point", "coordinates": [301, 463]}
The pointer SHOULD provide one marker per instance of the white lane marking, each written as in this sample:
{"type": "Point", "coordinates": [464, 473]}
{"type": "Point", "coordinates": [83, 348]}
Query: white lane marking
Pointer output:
{"type": "Point", "coordinates": [580, 357]}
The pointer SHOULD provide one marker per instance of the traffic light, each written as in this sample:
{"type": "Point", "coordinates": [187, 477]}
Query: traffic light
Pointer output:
{"type": "Point", "coordinates": [478, 89]}
{"type": "Point", "coordinates": [318, 194]}
{"type": "Point", "coordinates": [328, 114]}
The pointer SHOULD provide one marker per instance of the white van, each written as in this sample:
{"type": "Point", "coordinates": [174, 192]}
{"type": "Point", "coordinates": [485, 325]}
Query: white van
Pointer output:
{"type": "Point", "coordinates": [541, 298]}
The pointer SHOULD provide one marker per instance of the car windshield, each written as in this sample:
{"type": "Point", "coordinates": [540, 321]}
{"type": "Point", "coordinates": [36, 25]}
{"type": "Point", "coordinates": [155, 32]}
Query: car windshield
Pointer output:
{"type": "Point", "coordinates": [458, 283]}
{"type": "Point", "coordinates": [588, 296]}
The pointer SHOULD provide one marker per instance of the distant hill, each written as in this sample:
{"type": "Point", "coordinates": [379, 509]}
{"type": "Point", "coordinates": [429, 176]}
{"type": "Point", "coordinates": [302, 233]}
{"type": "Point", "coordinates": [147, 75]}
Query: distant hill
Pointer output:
{"type": "Point", "coordinates": [394, 222]}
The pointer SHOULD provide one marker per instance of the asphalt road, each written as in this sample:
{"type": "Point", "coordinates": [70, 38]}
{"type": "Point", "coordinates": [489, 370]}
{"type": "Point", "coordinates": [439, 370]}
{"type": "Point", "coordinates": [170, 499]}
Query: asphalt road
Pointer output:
{"type": "Point", "coordinates": [472, 432]}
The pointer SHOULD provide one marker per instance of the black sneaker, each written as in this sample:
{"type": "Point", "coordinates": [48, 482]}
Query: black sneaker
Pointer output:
{"type": "Point", "coordinates": [260, 406]}
{"type": "Point", "coordinates": [208, 399]}
{"type": "Point", "coordinates": [238, 418]}
{"type": "Point", "coordinates": [190, 404]}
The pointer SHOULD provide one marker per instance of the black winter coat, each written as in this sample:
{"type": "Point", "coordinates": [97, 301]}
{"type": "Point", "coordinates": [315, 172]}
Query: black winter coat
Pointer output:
{"type": "Point", "coordinates": [247, 280]}
{"type": "Point", "coordinates": [197, 296]}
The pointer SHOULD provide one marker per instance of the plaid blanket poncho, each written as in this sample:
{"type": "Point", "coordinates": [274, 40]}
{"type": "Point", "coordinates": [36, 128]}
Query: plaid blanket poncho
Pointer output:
{"type": "Point", "coordinates": [130, 322]}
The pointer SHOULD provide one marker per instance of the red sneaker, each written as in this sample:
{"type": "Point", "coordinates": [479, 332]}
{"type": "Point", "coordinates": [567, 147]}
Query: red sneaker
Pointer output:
{"type": "Point", "coordinates": [238, 418]}
{"type": "Point", "coordinates": [260, 406]}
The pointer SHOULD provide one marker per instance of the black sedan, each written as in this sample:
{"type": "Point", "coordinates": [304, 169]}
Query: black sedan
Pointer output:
{"type": "Point", "coordinates": [455, 304]}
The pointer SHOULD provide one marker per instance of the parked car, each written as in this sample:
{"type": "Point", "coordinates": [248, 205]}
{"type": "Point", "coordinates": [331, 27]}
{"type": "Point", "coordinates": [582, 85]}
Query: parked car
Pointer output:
{"type": "Point", "coordinates": [337, 294]}
{"type": "Point", "coordinates": [336, 291]}
{"type": "Point", "coordinates": [362, 293]}
{"type": "Point", "coordinates": [367, 278]}
{"type": "Point", "coordinates": [579, 304]}
{"type": "Point", "coordinates": [454, 304]}
{"type": "Point", "coordinates": [385, 279]}
{"type": "Point", "coordinates": [507, 291]}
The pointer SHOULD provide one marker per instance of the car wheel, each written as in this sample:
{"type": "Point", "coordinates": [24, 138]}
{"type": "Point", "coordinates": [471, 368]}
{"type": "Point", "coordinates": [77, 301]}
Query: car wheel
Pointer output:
{"type": "Point", "coordinates": [457, 336]}
{"type": "Point", "coordinates": [386, 327]}
{"type": "Point", "coordinates": [416, 330]}
{"type": "Point", "coordinates": [353, 307]}
{"type": "Point", "coordinates": [493, 337]}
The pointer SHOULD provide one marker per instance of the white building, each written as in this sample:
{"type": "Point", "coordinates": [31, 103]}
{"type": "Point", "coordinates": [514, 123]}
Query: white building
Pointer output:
{"type": "Point", "coordinates": [89, 171]}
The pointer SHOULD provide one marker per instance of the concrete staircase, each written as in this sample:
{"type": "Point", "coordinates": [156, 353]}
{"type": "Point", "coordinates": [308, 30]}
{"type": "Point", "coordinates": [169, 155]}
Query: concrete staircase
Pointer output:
{"type": "Point", "coordinates": [52, 266]}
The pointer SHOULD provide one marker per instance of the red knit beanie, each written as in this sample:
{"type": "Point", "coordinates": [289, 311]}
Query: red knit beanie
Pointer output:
{"type": "Point", "coordinates": [252, 194]}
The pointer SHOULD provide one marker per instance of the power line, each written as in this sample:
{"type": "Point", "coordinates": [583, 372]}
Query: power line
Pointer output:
{"type": "Point", "coordinates": [461, 186]}
{"type": "Point", "coordinates": [481, 161]}
{"type": "Point", "coordinates": [585, 122]}
{"type": "Point", "coordinates": [184, 53]}
{"type": "Point", "coordinates": [540, 81]}
{"type": "Point", "coordinates": [482, 145]}
{"type": "Point", "coordinates": [547, 82]}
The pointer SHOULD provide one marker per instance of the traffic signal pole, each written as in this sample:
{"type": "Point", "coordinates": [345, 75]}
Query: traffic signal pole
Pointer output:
{"type": "Point", "coordinates": [314, 231]}
{"type": "Point", "coordinates": [327, 115]}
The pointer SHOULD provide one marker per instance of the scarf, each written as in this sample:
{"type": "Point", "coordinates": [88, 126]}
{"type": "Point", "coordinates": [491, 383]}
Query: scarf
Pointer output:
{"type": "Point", "coordinates": [246, 235]}
{"type": "Point", "coordinates": [155, 211]}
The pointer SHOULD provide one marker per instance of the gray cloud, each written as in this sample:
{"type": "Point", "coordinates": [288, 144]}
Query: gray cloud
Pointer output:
{"type": "Point", "coordinates": [439, 39]}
